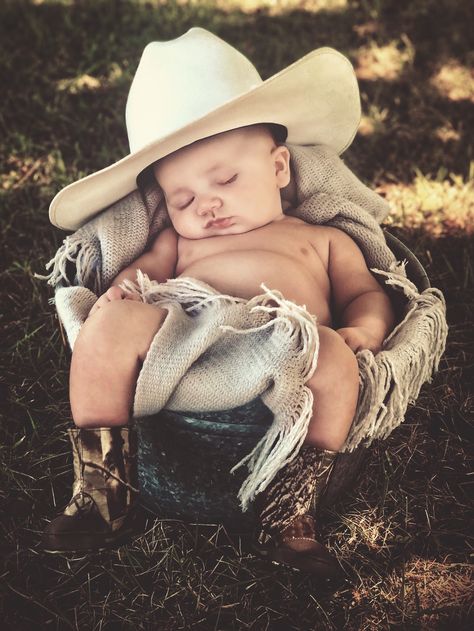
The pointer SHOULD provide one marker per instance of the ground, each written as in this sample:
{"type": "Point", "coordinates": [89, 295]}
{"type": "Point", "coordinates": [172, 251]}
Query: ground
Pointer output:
{"type": "Point", "coordinates": [403, 533]}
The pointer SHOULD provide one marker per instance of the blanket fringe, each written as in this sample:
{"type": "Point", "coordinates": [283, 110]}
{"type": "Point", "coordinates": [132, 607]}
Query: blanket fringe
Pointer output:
{"type": "Point", "coordinates": [279, 446]}
{"type": "Point", "coordinates": [296, 323]}
{"type": "Point", "coordinates": [83, 255]}
{"type": "Point", "coordinates": [282, 442]}
{"type": "Point", "coordinates": [190, 293]}
{"type": "Point", "coordinates": [392, 379]}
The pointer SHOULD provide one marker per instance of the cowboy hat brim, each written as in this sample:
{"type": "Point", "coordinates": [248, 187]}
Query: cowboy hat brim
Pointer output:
{"type": "Point", "coordinates": [316, 98]}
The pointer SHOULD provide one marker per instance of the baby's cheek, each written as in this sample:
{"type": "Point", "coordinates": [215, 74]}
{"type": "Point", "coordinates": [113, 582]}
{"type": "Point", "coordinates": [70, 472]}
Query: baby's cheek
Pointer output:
{"type": "Point", "coordinates": [175, 221]}
{"type": "Point", "coordinates": [189, 229]}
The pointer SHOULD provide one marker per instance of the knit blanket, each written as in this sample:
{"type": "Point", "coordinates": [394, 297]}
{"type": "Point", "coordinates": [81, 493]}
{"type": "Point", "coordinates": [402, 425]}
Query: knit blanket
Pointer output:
{"type": "Point", "coordinates": [216, 352]}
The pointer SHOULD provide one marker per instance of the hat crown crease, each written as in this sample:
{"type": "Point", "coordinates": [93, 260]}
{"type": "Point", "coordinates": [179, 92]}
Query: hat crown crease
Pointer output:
{"type": "Point", "coordinates": [196, 73]}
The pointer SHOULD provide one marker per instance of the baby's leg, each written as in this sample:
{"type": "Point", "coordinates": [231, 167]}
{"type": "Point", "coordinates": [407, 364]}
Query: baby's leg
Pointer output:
{"type": "Point", "coordinates": [335, 387]}
{"type": "Point", "coordinates": [106, 361]}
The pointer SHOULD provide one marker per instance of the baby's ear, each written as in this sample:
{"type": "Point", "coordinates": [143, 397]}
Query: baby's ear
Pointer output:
{"type": "Point", "coordinates": [281, 157]}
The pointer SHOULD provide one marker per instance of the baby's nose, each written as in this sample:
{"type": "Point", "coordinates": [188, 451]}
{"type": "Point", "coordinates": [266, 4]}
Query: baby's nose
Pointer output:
{"type": "Point", "coordinates": [209, 205]}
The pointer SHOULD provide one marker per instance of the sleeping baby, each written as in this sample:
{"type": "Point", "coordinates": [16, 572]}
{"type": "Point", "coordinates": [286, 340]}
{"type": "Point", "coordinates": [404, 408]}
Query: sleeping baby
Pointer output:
{"type": "Point", "coordinates": [228, 229]}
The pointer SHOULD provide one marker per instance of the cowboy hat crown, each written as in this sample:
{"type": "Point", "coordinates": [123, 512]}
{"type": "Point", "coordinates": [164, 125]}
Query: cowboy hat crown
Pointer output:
{"type": "Point", "coordinates": [199, 72]}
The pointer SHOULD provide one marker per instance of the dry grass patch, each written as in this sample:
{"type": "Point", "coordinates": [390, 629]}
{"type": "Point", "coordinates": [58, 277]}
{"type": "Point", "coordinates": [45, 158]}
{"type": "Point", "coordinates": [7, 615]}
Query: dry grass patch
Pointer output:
{"type": "Point", "coordinates": [86, 82]}
{"type": "Point", "coordinates": [22, 171]}
{"type": "Point", "coordinates": [367, 528]}
{"type": "Point", "coordinates": [439, 206]}
{"type": "Point", "coordinates": [384, 62]}
{"type": "Point", "coordinates": [425, 595]}
{"type": "Point", "coordinates": [454, 81]}
{"type": "Point", "coordinates": [432, 590]}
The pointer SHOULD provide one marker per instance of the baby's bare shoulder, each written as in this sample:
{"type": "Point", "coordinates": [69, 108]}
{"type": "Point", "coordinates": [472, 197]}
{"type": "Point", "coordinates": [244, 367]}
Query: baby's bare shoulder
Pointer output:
{"type": "Point", "coordinates": [166, 244]}
{"type": "Point", "coordinates": [325, 233]}
{"type": "Point", "coordinates": [168, 234]}
{"type": "Point", "coordinates": [336, 236]}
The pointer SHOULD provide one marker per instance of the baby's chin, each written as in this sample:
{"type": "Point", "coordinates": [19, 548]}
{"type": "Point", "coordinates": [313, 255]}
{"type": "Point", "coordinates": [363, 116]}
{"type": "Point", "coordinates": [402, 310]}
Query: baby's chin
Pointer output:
{"type": "Point", "coordinates": [216, 232]}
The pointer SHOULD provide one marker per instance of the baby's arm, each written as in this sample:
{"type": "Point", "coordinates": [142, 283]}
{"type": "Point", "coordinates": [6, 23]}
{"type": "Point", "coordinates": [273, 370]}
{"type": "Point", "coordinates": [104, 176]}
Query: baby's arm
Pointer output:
{"type": "Point", "coordinates": [159, 263]}
{"type": "Point", "coordinates": [361, 305]}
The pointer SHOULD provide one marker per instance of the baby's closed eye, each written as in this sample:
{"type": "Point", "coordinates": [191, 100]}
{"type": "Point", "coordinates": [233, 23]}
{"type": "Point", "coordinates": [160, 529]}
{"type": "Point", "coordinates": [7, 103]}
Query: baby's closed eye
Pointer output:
{"type": "Point", "coordinates": [232, 179]}
{"type": "Point", "coordinates": [186, 204]}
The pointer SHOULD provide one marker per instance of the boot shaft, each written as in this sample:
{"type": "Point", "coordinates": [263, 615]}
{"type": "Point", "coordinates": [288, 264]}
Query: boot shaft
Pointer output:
{"type": "Point", "coordinates": [105, 469]}
{"type": "Point", "coordinates": [295, 491]}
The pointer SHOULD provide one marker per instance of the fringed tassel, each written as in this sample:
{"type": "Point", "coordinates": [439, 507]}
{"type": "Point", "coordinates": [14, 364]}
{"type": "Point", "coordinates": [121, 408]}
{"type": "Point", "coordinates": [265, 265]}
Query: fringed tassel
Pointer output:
{"type": "Point", "coordinates": [83, 255]}
{"type": "Point", "coordinates": [296, 323]}
{"type": "Point", "coordinates": [190, 293]}
{"type": "Point", "coordinates": [392, 379]}
{"type": "Point", "coordinates": [280, 445]}
{"type": "Point", "coordinates": [293, 410]}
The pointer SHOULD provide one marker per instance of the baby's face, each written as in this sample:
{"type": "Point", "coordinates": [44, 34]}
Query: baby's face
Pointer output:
{"type": "Point", "coordinates": [226, 184]}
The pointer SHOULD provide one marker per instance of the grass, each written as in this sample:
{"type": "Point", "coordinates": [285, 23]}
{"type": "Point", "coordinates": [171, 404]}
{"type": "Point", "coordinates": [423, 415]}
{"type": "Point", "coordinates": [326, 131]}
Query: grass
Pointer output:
{"type": "Point", "coordinates": [403, 534]}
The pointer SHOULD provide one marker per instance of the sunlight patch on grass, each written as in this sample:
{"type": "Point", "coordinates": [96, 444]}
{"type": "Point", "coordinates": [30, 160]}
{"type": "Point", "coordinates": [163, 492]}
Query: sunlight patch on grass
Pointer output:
{"type": "Point", "coordinates": [432, 589]}
{"type": "Point", "coordinates": [272, 7]}
{"type": "Point", "coordinates": [384, 62]}
{"type": "Point", "coordinates": [42, 171]}
{"type": "Point", "coordinates": [367, 528]}
{"type": "Point", "coordinates": [454, 81]}
{"type": "Point", "coordinates": [78, 84]}
{"type": "Point", "coordinates": [374, 121]}
{"type": "Point", "coordinates": [441, 206]}
{"type": "Point", "coordinates": [447, 132]}
{"type": "Point", "coordinates": [87, 83]}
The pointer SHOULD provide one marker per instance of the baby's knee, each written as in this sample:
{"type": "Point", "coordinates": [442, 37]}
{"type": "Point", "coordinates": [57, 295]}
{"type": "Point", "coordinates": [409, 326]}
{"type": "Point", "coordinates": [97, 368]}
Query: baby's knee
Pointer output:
{"type": "Point", "coordinates": [331, 341]}
{"type": "Point", "coordinates": [94, 327]}
{"type": "Point", "coordinates": [121, 324]}
{"type": "Point", "coordinates": [336, 361]}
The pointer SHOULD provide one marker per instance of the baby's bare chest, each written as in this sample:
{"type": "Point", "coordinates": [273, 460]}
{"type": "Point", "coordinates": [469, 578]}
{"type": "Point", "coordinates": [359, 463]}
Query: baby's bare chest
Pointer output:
{"type": "Point", "coordinates": [286, 257]}
{"type": "Point", "coordinates": [292, 239]}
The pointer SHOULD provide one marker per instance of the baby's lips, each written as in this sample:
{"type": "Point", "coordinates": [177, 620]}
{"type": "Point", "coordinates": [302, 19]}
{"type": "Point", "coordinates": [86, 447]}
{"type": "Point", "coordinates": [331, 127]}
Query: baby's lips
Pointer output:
{"type": "Point", "coordinates": [220, 223]}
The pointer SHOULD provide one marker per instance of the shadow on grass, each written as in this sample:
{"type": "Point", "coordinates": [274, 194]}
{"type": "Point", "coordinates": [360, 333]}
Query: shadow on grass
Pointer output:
{"type": "Point", "coordinates": [97, 39]}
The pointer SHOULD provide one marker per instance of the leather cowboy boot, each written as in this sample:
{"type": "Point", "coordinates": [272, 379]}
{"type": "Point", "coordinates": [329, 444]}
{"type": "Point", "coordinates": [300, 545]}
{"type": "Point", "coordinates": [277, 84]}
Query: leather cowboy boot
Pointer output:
{"type": "Point", "coordinates": [286, 509]}
{"type": "Point", "coordinates": [102, 511]}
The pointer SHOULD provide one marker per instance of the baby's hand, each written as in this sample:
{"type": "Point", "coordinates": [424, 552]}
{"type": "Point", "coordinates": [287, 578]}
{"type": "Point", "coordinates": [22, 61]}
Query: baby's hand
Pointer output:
{"type": "Point", "coordinates": [113, 293]}
{"type": "Point", "coordinates": [359, 338]}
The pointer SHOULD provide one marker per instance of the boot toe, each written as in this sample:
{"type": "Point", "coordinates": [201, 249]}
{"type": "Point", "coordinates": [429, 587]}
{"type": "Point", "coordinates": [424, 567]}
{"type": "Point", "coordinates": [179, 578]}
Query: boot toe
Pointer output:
{"type": "Point", "coordinates": [309, 556]}
{"type": "Point", "coordinates": [75, 533]}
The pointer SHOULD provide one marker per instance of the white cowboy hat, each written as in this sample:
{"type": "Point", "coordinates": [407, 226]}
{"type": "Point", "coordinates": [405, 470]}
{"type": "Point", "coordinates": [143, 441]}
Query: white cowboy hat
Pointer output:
{"type": "Point", "coordinates": [198, 85]}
